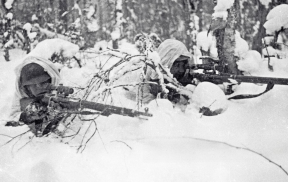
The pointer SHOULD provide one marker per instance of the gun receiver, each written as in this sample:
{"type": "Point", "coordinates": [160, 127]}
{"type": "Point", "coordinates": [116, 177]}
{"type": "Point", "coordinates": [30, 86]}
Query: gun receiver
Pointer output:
{"type": "Point", "coordinates": [75, 105]}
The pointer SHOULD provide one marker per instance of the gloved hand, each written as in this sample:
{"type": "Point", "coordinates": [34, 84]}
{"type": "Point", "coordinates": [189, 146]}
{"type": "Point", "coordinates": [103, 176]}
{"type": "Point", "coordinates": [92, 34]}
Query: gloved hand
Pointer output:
{"type": "Point", "coordinates": [33, 112]}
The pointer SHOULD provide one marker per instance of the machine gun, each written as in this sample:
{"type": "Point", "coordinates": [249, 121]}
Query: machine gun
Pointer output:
{"type": "Point", "coordinates": [211, 74]}
{"type": "Point", "coordinates": [72, 105]}
{"type": "Point", "coordinates": [218, 74]}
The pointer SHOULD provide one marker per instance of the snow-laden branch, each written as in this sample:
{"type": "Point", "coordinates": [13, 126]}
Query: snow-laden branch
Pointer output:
{"type": "Point", "coordinates": [179, 90]}
{"type": "Point", "coordinates": [8, 4]}
{"type": "Point", "coordinates": [220, 10]}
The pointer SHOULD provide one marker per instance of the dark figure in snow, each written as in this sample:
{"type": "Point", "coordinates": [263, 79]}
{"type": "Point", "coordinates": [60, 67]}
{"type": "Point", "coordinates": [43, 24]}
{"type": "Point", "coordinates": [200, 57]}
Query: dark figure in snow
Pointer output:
{"type": "Point", "coordinates": [33, 76]}
{"type": "Point", "coordinates": [174, 56]}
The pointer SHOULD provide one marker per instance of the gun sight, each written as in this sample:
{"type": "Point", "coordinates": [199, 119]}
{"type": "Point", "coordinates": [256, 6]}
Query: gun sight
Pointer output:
{"type": "Point", "coordinates": [61, 89]}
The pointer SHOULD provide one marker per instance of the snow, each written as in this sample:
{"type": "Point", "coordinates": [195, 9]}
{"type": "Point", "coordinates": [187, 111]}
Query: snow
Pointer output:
{"type": "Point", "coordinates": [170, 146]}
{"type": "Point", "coordinates": [265, 2]}
{"type": "Point", "coordinates": [92, 25]}
{"type": "Point", "coordinates": [116, 34]}
{"type": "Point", "coordinates": [6, 34]}
{"type": "Point", "coordinates": [8, 4]}
{"type": "Point", "coordinates": [32, 35]}
{"type": "Point", "coordinates": [250, 63]}
{"type": "Point", "coordinates": [9, 16]}
{"type": "Point", "coordinates": [209, 95]}
{"type": "Point", "coordinates": [9, 43]}
{"type": "Point", "coordinates": [206, 42]}
{"type": "Point", "coordinates": [27, 27]}
{"type": "Point", "coordinates": [241, 46]}
{"type": "Point", "coordinates": [220, 10]}
{"type": "Point", "coordinates": [119, 4]}
{"type": "Point", "coordinates": [47, 48]}
{"type": "Point", "coordinates": [276, 19]}
{"type": "Point", "coordinates": [90, 12]}
{"type": "Point", "coordinates": [76, 6]}
{"type": "Point", "coordinates": [77, 23]}
{"type": "Point", "coordinates": [223, 5]}
{"type": "Point", "coordinates": [154, 57]}
{"type": "Point", "coordinates": [34, 17]}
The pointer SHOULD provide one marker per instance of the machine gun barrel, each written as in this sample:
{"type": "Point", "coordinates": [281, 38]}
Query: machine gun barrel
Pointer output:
{"type": "Point", "coordinates": [240, 78]}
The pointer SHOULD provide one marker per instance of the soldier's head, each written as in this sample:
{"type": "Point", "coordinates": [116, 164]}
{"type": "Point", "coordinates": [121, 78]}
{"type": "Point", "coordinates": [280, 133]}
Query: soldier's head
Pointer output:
{"type": "Point", "coordinates": [34, 79]}
{"type": "Point", "coordinates": [179, 66]}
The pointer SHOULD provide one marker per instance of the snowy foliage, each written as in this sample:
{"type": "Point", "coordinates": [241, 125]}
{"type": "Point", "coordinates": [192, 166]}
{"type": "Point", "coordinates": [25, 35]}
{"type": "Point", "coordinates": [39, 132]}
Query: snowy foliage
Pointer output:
{"type": "Point", "coordinates": [277, 19]}
{"type": "Point", "coordinates": [116, 34]}
{"type": "Point", "coordinates": [250, 63]}
{"type": "Point", "coordinates": [9, 16]}
{"type": "Point", "coordinates": [77, 23]}
{"type": "Point", "coordinates": [76, 7]}
{"type": "Point", "coordinates": [6, 34]}
{"type": "Point", "coordinates": [207, 42]}
{"type": "Point", "coordinates": [90, 12]}
{"type": "Point", "coordinates": [9, 43]}
{"type": "Point", "coordinates": [154, 56]}
{"type": "Point", "coordinates": [119, 4]}
{"type": "Point", "coordinates": [32, 35]}
{"type": "Point", "coordinates": [48, 47]}
{"type": "Point", "coordinates": [8, 4]}
{"type": "Point", "coordinates": [220, 10]}
{"type": "Point", "coordinates": [34, 17]}
{"type": "Point", "coordinates": [27, 27]}
{"type": "Point", "coordinates": [204, 40]}
{"type": "Point", "coordinates": [241, 46]}
{"type": "Point", "coordinates": [265, 2]}
{"type": "Point", "coordinates": [92, 25]}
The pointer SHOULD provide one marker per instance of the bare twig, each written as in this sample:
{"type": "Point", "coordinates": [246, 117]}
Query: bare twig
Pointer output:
{"type": "Point", "coordinates": [21, 134]}
{"type": "Point", "coordinates": [95, 130]}
{"type": "Point", "coordinates": [229, 145]}
{"type": "Point", "coordinates": [269, 65]}
{"type": "Point", "coordinates": [242, 148]}
{"type": "Point", "coordinates": [123, 143]}
{"type": "Point", "coordinates": [30, 140]}
{"type": "Point", "coordinates": [81, 144]}
{"type": "Point", "coordinates": [6, 135]}
{"type": "Point", "coordinates": [206, 109]}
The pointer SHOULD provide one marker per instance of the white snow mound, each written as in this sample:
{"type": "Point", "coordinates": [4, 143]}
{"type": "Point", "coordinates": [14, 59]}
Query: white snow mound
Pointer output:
{"type": "Point", "coordinates": [277, 18]}
{"type": "Point", "coordinates": [251, 62]}
{"type": "Point", "coordinates": [48, 47]}
{"type": "Point", "coordinates": [209, 95]}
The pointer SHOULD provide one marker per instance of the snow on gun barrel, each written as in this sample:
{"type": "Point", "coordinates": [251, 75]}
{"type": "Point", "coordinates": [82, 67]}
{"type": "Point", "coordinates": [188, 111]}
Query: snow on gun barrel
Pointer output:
{"type": "Point", "coordinates": [73, 105]}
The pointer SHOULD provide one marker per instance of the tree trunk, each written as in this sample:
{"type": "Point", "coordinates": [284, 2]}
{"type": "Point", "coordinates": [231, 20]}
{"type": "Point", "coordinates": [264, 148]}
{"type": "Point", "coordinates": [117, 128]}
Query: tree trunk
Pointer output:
{"type": "Point", "coordinates": [257, 40]}
{"type": "Point", "coordinates": [63, 5]}
{"type": "Point", "coordinates": [225, 40]}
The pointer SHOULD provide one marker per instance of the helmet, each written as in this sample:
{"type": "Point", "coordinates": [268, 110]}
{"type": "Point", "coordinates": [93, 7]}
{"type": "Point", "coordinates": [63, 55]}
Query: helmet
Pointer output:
{"type": "Point", "coordinates": [33, 74]}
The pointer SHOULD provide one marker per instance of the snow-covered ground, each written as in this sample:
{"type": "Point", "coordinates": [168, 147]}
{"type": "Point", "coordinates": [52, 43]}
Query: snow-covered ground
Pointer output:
{"type": "Point", "coordinates": [171, 146]}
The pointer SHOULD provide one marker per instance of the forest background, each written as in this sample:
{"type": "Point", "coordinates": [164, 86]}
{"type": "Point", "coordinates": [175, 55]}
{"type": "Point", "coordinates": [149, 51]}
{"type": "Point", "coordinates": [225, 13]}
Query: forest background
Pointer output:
{"type": "Point", "coordinates": [179, 19]}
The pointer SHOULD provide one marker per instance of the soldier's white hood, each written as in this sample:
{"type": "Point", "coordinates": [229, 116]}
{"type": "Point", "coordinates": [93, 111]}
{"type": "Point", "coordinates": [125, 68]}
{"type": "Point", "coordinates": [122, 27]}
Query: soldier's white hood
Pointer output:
{"type": "Point", "coordinates": [169, 51]}
{"type": "Point", "coordinates": [48, 66]}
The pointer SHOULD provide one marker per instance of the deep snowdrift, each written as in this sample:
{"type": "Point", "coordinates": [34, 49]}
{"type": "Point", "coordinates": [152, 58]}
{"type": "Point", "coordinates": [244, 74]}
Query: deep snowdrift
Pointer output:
{"type": "Point", "coordinates": [170, 146]}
